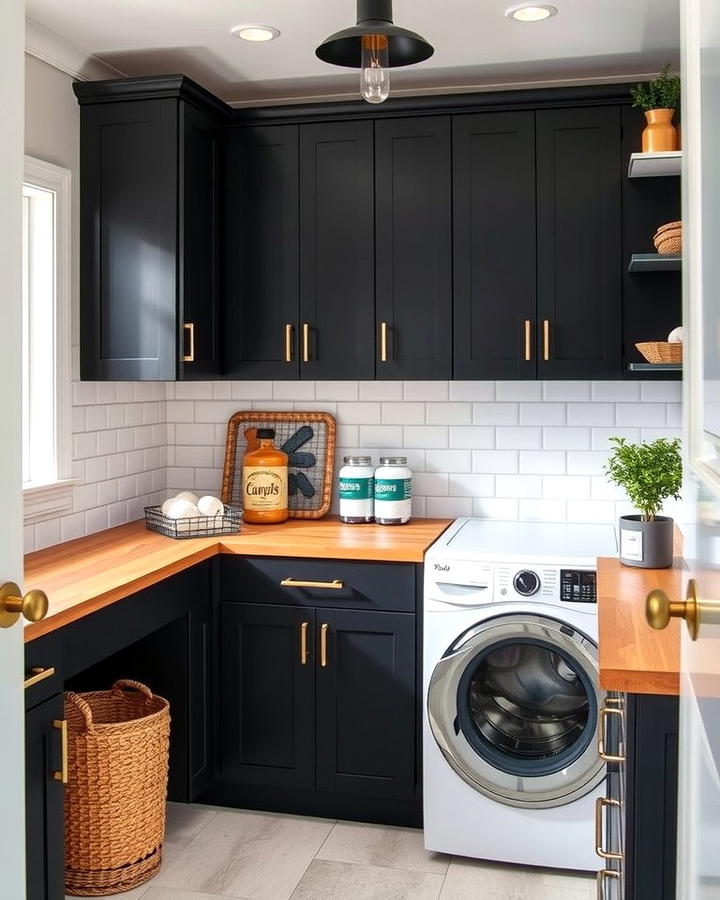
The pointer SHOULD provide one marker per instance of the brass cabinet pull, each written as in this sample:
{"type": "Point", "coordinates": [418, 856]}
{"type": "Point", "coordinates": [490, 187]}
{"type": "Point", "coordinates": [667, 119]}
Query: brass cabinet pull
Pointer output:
{"type": "Point", "coordinates": [62, 775]}
{"type": "Point", "coordinates": [546, 339]}
{"type": "Point", "coordinates": [190, 326]}
{"type": "Point", "coordinates": [335, 585]}
{"type": "Point", "coordinates": [602, 734]}
{"type": "Point", "coordinates": [38, 674]}
{"type": "Point", "coordinates": [383, 342]}
{"type": "Point", "coordinates": [13, 604]}
{"type": "Point", "coordinates": [600, 804]}
{"type": "Point", "coordinates": [288, 343]}
{"type": "Point", "coordinates": [528, 354]}
{"type": "Point", "coordinates": [323, 646]}
{"type": "Point", "coordinates": [306, 342]}
{"type": "Point", "coordinates": [602, 877]}
{"type": "Point", "coordinates": [303, 643]}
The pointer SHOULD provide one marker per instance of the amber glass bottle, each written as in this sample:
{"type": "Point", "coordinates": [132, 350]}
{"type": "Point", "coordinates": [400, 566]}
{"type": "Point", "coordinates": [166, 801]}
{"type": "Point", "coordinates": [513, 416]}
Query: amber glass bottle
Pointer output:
{"type": "Point", "coordinates": [264, 481]}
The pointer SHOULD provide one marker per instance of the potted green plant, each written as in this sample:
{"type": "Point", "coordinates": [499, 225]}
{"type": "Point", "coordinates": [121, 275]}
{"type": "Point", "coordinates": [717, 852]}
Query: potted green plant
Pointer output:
{"type": "Point", "coordinates": [659, 99]}
{"type": "Point", "coordinates": [649, 473]}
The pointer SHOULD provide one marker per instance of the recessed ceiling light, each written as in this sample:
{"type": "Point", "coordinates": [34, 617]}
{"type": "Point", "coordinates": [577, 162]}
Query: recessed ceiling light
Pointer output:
{"type": "Point", "coordinates": [256, 33]}
{"type": "Point", "coordinates": [525, 13]}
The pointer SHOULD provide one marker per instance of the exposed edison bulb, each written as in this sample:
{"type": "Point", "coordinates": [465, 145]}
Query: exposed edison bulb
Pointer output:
{"type": "Point", "coordinates": [375, 71]}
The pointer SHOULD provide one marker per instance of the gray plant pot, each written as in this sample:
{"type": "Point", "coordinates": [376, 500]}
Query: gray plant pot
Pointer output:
{"type": "Point", "coordinates": [648, 545]}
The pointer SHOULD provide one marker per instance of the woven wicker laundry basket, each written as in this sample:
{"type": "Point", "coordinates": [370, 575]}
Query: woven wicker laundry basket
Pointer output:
{"type": "Point", "coordinates": [118, 743]}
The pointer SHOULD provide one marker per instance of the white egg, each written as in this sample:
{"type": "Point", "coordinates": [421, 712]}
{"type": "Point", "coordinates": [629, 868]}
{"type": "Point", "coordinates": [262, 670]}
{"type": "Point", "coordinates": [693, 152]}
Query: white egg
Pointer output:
{"type": "Point", "coordinates": [181, 509]}
{"type": "Point", "coordinates": [676, 335]}
{"type": "Point", "coordinates": [166, 506]}
{"type": "Point", "coordinates": [187, 495]}
{"type": "Point", "coordinates": [210, 506]}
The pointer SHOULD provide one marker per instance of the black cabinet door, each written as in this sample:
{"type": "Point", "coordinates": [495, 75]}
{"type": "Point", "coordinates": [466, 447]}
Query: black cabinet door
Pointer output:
{"type": "Point", "coordinates": [578, 240]}
{"type": "Point", "coordinates": [128, 236]}
{"type": "Point", "coordinates": [261, 252]}
{"type": "Point", "coordinates": [44, 802]}
{"type": "Point", "coordinates": [494, 245]}
{"type": "Point", "coordinates": [200, 724]}
{"type": "Point", "coordinates": [337, 274]}
{"type": "Point", "coordinates": [366, 703]}
{"type": "Point", "coordinates": [413, 248]}
{"type": "Point", "coordinates": [198, 252]}
{"type": "Point", "coordinates": [268, 695]}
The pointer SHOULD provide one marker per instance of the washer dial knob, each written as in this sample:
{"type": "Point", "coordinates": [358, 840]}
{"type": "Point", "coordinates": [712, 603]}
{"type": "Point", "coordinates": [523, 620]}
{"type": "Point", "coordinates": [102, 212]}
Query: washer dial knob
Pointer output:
{"type": "Point", "coordinates": [526, 583]}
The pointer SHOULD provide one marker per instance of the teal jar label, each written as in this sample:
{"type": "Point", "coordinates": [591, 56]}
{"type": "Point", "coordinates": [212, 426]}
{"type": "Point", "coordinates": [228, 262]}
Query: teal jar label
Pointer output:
{"type": "Point", "coordinates": [393, 488]}
{"type": "Point", "coordinates": [356, 488]}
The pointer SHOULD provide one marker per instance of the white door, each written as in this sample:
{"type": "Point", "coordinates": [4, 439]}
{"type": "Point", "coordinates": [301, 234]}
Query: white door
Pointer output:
{"type": "Point", "coordinates": [12, 780]}
{"type": "Point", "coordinates": [699, 825]}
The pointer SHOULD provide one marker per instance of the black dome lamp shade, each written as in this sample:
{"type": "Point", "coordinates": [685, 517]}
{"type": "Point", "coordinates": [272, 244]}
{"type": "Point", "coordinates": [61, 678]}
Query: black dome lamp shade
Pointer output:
{"type": "Point", "coordinates": [374, 45]}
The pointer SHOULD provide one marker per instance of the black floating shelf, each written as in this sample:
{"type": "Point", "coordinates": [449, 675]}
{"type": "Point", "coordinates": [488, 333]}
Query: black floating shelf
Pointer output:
{"type": "Point", "coordinates": [655, 262]}
{"type": "Point", "coordinates": [655, 367]}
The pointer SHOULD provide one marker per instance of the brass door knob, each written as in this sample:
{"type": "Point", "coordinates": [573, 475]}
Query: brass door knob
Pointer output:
{"type": "Point", "coordinates": [659, 609]}
{"type": "Point", "coordinates": [33, 605]}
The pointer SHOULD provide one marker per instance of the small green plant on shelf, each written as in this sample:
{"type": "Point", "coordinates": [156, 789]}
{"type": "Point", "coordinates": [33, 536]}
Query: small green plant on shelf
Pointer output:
{"type": "Point", "coordinates": [649, 473]}
{"type": "Point", "coordinates": [662, 92]}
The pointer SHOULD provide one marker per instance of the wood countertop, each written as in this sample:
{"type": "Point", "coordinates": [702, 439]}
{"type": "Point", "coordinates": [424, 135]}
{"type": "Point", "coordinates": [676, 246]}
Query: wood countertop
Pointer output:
{"type": "Point", "coordinates": [87, 574]}
{"type": "Point", "coordinates": [633, 657]}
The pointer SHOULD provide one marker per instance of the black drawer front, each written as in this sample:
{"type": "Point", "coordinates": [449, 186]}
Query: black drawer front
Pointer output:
{"type": "Point", "coordinates": [366, 585]}
{"type": "Point", "coordinates": [41, 656]}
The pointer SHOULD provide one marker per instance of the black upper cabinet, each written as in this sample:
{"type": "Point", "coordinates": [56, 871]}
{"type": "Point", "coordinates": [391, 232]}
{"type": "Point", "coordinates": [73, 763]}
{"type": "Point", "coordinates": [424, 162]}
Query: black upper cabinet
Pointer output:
{"type": "Point", "coordinates": [337, 266]}
{"type": "Point", "coordinates": [44, 801]}
{"type": "Point", "coordinates": [413, 248]}
{"type": "Point", "coordinates": [261, 252]}
{"type": "Point", "coordinates": [494, 245]}
{"type": "Point", "coordinates": [579, 242]}
{"type": "Point", "coordinates": [149, 213]}
{"type": "Point", "coordinates": [370, 667]}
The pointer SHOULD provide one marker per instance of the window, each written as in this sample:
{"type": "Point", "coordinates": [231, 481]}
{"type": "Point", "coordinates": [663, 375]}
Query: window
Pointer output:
{"type": "Point", "coordinates": [46, 438]}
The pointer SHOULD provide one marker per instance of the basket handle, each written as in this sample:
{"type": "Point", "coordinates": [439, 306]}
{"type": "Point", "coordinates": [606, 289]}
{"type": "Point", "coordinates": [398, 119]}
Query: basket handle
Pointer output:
{"type": "Point", "coordinates": [83, 707]}
{"type": "Point", "coordinates": [128, 684]}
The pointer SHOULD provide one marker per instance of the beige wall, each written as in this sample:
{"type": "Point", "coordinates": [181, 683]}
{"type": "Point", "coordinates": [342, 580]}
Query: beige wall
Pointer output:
{"type": "Point", "coordinates": [52, 133]}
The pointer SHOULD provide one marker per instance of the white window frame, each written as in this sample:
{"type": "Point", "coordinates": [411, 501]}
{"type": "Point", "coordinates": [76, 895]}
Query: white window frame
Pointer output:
{"type": "Point", "coordinates": [44, 501]}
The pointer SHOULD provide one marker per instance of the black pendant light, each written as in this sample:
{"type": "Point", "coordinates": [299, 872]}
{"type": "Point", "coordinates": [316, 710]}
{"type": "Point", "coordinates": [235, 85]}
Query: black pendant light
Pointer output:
{"type": "Point", "coordinates": [374, 45]}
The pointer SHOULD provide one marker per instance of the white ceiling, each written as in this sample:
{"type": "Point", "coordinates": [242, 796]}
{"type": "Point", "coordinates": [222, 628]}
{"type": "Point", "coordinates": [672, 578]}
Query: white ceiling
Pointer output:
{"type": "Point", "coordinates": [475, 44]}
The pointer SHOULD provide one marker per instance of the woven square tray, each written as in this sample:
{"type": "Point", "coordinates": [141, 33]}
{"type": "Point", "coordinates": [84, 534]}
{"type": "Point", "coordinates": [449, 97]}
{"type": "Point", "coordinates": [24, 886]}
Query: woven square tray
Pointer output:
{"type": "Point", "coordinates": [309, 440]}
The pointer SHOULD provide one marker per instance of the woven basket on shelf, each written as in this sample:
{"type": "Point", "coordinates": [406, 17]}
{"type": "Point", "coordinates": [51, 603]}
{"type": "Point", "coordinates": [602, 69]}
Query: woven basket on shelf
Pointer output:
{"type": "Point", "coordinates": [668, 238]}
{"type": "Point", "coordinates": [118, 743]}
{"type": "Point", "coordinates": [661, 351]}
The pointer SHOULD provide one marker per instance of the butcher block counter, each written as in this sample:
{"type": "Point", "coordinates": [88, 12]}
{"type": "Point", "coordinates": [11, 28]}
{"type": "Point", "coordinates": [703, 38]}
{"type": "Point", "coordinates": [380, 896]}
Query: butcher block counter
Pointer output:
{"type": "Point", "coordinates": [634, 658]}
{"type": "Point", "coordinates": [90, 573]}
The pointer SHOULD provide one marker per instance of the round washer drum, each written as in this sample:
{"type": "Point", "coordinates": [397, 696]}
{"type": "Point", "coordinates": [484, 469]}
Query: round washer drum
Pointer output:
{"type": "Point", "coordinates": [513, 706]}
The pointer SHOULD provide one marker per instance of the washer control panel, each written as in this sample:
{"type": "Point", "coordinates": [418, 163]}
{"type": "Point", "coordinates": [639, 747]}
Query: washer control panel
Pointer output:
{"type": "Point", "coordinates": [551, 584]}
{"type": "Point", "coordinates": [578, 586]}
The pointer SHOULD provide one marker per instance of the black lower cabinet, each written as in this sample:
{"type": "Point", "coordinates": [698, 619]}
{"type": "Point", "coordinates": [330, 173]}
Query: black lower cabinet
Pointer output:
{"type": "Point", "coordinates": [44, 803]}
{"type": "Point", "coordinates": [318, 711]}
{"type": "Point", "coordinates": [268, 709]}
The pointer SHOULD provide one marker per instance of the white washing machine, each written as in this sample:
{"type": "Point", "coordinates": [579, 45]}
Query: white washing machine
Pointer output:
{"type": "Point", "coordinates": [511, 770]}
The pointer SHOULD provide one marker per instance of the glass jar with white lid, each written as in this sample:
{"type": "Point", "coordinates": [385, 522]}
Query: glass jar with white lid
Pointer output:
{"type": "Point", "coordinates": [393, 491]}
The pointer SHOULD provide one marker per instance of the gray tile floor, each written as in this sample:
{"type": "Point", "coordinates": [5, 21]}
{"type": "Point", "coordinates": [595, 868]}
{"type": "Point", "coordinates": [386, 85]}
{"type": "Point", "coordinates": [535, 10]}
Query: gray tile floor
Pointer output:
{"type": "Point", "coordinates": [213, 853]}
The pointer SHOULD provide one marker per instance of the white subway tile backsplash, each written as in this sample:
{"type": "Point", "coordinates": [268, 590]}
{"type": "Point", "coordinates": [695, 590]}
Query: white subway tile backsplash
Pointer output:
{"type": "Point", "coordinates": [532, 450]}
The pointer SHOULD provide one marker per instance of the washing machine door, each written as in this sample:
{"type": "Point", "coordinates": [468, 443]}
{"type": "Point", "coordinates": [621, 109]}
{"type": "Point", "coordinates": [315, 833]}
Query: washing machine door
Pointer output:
{"type": "Point", "coordinates": [513, 706]}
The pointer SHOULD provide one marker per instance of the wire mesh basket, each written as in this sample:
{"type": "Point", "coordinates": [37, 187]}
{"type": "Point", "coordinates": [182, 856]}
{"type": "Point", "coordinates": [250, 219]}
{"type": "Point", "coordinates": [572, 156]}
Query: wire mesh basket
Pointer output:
{"type": "Point", "coordinates": [195, 526]}
{"type": "Point", "coordinates": [309, 440]}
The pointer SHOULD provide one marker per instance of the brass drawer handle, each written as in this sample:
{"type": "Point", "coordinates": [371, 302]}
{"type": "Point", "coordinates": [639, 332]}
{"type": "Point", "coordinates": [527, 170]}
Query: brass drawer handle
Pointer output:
{"type": "Point", "coordinates": [323, 646]}
{"type": "Point", "coordinates": [335, 585]}
{"type": "Point", "coordinates": [288, 343]}
{"type": "Point", "coordinates": [190, 326]}
{"type": "Point", "coordinates": [39, 674]}
{"type": "Point", "coordinates": [600, 804]}
{"type": "Point", "coordinates": [546, 339]}
{"type": "Point", "coordinates": [383, 342]}
{"type": "Point", "coordinates": [62, 775]}
{"type": "Point", "coordinates": [303, 643]}
{"type": "Point", "coordinates": [306, 342]}
{"type": "Point", "coordinates": [602, 734]}
{"type": "Point", "coordinates": [528, 354]}
{"type": "Point", "coordinates": [602, 877]}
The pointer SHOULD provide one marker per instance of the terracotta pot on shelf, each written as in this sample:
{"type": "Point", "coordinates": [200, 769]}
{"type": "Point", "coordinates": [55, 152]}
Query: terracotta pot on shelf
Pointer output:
{"type": "Point", "coordinates": [660, 135]}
